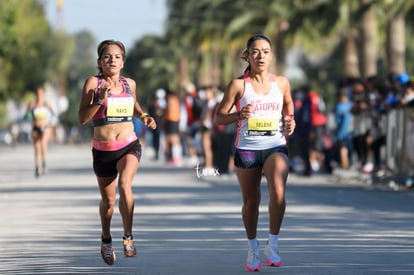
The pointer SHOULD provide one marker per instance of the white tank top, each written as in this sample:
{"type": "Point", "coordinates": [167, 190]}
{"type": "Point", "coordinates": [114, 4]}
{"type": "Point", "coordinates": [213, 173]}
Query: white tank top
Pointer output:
{"type": "Point", "coordinates": [41, 112]}
{"type": "Point", "coordinates": [264, 129]}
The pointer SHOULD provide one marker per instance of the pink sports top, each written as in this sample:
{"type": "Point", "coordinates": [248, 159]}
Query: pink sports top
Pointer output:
{"type": "Point", "coordinates": [117, 107]}
{"type": "Point", "coordinates": [264, 129]}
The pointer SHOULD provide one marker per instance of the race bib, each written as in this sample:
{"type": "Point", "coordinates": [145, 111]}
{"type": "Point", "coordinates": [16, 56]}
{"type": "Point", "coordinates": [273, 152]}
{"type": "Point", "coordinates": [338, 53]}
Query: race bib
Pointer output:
{"type": "Point", "coordinates": [262, 126]}
{"type": "Point", "coordinates": [120, 109]}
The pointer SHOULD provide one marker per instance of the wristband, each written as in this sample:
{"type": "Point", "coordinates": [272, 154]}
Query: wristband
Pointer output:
{"type": "Point", "coordinates": [98, 103]}
{"type": "Point", "coordinates": [96, 100]}
{"type": "Point", "coordinates": [143, 115]}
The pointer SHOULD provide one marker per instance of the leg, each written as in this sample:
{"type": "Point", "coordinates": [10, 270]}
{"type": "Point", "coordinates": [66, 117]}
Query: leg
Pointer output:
{"type": "Point", "coordinates": [167, 147]}
{"type": "Point", "coordinates": [376, 148]}
{"type": "Point", "coordinates": [305, 151]}
{"type": "Point", "coordinates": [249, 180]}
{"type": "Point", "coordinates": [276, 170]}
{"type": "Point", "coordinates": [176, 150]}
{"type": "Point", "coordinates": [37, 144]}
{"type": "Point", "coordinates": [343, 152]}
{"type": "Point", "coordinates": [156, 142]}
{"type": "Point", "coordinates": [358, 145]}
{"type": "Point", "coordinates": [206, 143]}
{"type": "Point", "coordinates": [127, 167]}
{"type": "Point", "coordinates": [107, 188]}
{"type": "Point", "coordinates": [44, 143]}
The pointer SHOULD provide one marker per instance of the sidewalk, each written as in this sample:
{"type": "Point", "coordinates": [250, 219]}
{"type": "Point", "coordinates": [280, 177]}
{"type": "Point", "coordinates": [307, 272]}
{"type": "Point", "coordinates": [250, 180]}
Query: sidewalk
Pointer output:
{"type": "Point", "coordinates": [183, 224]}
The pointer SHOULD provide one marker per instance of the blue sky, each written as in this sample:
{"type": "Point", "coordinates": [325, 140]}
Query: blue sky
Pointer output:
{"type": "Point", "coordinates": [122, 20]}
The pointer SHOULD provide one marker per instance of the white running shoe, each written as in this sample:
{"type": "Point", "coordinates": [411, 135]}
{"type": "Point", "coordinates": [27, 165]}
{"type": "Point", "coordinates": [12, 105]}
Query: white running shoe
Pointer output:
{"type": "Point", "coordinates": [253, 259]}
{"type": "Point", "coordinates": [273, 257]}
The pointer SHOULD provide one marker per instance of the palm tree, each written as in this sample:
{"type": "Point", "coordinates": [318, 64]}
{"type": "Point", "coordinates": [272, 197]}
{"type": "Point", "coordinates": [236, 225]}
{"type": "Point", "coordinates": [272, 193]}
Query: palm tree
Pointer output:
{"type": "Point", "coordinates": [270, 18]}
{"type": "Point", "coordinates": [368, 30]}
{"type": "Point", "coordinates": [395, 33]}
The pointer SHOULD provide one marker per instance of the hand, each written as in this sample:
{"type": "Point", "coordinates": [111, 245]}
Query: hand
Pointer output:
{"type": "Point", "coordinates": [245, 112]}
{"type": "Point", "coordinates": [290, 124]}
{"type": "Point", "coordinates": [102, 90]}
{"type": "Point", "coordinates": [150, 122]}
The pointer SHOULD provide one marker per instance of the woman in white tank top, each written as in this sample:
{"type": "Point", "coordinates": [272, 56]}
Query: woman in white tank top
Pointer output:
{"type": "Point", "coordinates": [265, 116]}
{"type": "Point", "coordinates": [41, 114]}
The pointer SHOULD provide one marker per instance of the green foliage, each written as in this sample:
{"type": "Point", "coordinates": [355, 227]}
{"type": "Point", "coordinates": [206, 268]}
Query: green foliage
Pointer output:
{"type": "Point", "coordinates": [150, 64]}
{"type": "Point", "coordinates": [208, 34]}
{"type": "Point", "coordinates": [82, 64]}
{"type": "Point", "coordinates": [23, 48]}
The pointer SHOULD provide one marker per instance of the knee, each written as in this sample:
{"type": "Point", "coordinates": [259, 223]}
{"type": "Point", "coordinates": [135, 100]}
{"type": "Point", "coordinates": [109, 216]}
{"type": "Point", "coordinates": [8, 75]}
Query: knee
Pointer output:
{"type": "Point", "coordinates": [124, 188]}
{"type": "Point", "coordinates": [108, 202]}
{"type": "Point", "coordinates": [251, 204]}
{"type": "Point", "coordinates": [277, 198]}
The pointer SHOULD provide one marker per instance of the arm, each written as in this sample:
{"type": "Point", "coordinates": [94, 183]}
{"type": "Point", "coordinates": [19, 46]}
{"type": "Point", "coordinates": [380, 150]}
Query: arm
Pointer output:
{"type": "Point", "coordinates": [87, 106]}
{"type": "Point", "coordinates": [138, 112]}
{"type": "Point", "coordinates": [233, 92]}
{"type": "Point", "coordinates": [288, 106]}
{"type": "Point", "coordinates": [28, 113]}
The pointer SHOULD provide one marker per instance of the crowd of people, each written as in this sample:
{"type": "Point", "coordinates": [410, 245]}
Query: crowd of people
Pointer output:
{"type": "Point", "coordinates": [351, 132]}
{"type": "Point", "coordinates": [188, 134]}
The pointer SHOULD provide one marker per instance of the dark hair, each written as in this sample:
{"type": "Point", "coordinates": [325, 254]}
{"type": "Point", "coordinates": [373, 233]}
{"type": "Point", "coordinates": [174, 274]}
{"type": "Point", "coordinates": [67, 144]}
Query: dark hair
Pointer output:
{"type": "Point", "coordinates": [104, 44]}
{"type": "Point", "coordinates": [249, 45]}
{"type": "Point", "coordinates": [257, 37]}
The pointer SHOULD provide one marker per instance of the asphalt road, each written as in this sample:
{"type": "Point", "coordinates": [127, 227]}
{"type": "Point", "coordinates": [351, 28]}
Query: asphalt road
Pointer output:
{"type": "Point", "coordinates": [189, 225]}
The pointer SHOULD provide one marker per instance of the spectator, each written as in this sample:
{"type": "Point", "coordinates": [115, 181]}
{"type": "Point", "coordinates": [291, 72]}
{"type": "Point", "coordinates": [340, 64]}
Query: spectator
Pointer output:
{"type": "Point", "coordinates": [193, 105]}
{"type": "Point", "coordinates": [343, 133]}
{"type": "Point", "coordinates": [312, 130]}
{"type": "Point", "coordinates": [362, 123]}
{"type": "Point", "coordinates": [223, 138]}
{"type": "Point", "coordinates": [156, 111]}
{"type": "Point", "coordinates": [207, 126]}
{"type": "Point", "coordinates": [173, 151]}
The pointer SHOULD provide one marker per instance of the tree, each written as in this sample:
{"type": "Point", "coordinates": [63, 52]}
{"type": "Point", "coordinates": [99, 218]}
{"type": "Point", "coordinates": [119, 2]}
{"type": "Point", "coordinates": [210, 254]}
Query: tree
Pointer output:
{"type": "Point", "coordinates": [24, 50]}
{"type": "Point", "coordinates": [395, 33]}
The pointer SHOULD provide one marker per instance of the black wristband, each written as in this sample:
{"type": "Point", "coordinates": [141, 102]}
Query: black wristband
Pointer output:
{"type": "Point", "coordinates": [99, 103]}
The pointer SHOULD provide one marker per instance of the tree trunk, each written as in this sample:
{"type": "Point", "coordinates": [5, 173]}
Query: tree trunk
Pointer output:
{"type": "Point", "coordinates": [369, 37]}
{"type": "Point", "coordinates": [280, 50]}
{"type": "Point", "coordinates": [396, 44]}
{"type": "Point", "coordinates": [215, 73]}
{"type": "Point", "coordinates": [183, 71]}
{"type": "Point", "coordinates": [350, 58]}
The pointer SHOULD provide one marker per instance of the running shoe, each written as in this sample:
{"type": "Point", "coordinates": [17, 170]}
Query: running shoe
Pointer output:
{"type": "Point", "coordinates": [273, 257]}
{"type": "Point", "coordinates": [107, 253]}
{"type": "Point", "coordinates": [129, 247]}
{"type": "Point", "coordinates": [253, 259]}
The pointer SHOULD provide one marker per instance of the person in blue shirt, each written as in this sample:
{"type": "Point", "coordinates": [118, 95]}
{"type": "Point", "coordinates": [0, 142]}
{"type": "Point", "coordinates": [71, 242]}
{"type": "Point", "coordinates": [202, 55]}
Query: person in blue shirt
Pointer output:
{"type": "Point", "coordinates": [343, 133]}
